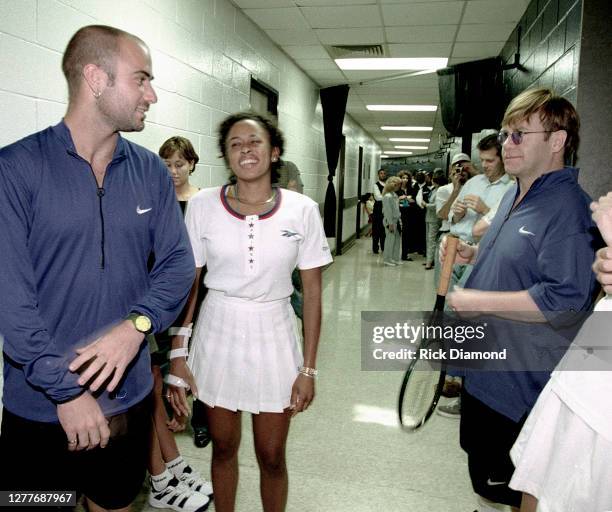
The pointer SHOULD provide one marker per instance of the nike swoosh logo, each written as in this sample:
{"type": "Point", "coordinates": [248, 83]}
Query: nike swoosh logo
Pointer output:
{"type": "Point", "coordinates": [523, 231]}
{"type": "Point", "coordinates": [140, 210]}
{"type": "Point", "coordinates": [490, 482]}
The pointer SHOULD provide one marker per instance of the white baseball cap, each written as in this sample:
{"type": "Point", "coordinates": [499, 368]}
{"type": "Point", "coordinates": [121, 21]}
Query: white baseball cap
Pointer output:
{"type": "Point", "coordinates": [460, 157]}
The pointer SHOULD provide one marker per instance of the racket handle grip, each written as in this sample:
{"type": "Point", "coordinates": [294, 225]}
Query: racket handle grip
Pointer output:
{"type": "Point", "coordinates": [447, 268]}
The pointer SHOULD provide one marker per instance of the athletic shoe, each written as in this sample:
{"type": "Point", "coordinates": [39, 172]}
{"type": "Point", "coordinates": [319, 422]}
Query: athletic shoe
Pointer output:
{"type": "Point", "coordinates": [201, 437]}
{"type": "Point", "coordinates": [398, 262]}
{"type": "Point", "coordinates": [452, 388]}
{"type": "Point", "coordinates": [452, 410]}
{"type": "Point", "coordinates": [177, 496]}
{"type": "Point", "coordinates": [195, 482]}
{"type": "Point", "coordinates": [390, 264]}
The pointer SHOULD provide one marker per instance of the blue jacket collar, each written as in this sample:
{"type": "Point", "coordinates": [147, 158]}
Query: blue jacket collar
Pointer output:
{"type": "Point", "coordinates": [62, 132]}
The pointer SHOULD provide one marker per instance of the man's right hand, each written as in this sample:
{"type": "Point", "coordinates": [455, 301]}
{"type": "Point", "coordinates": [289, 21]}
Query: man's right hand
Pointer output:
{"type": "Point", "coordinates": [459, 209]}
{"type": "Point", "coordinates": [457, 180]}
{"type": "Point", "coordinates": [84, 424]}
{"type": "Point", "coordinates": [602, 215]}
{"type": "Point", "coordinates": [465, 252]}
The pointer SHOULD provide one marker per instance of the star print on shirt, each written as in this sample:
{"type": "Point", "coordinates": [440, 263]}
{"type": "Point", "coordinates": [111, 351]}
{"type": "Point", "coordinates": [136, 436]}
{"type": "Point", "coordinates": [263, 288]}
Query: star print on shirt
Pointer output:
{"type": "Point", "coordinates": [251, 235]}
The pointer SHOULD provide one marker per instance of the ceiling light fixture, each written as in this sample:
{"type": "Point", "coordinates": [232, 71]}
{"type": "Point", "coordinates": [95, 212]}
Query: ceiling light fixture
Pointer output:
{"type": "Point", "coordinates": [408, 128]}
{"type": "Point", "coordinates": [407, 139]}
{"type": "Point", "coordinates": [398, 152]}
{"type": "Point", "coordinates": [390, 64]}
{"type": "Point", "coordinates": [403, 108]}
{"type": "Point", "coordinates": [410, 147]}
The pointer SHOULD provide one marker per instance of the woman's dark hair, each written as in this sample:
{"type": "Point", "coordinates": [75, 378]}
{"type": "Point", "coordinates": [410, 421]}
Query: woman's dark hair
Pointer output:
{"type": "Point", "coordinates": [180, 145]}
{"type": "Point", "coordinates": [276, 137]}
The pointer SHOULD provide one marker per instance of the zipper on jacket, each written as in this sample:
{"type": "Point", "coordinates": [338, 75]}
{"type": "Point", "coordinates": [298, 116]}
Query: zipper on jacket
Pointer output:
{"type": "Point", "coordinates": [100, 194]}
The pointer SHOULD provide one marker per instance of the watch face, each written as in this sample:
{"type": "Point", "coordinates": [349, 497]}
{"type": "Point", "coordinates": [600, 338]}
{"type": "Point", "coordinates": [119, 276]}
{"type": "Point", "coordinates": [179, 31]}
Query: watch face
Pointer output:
{"type": "Point", "coordinates": [142, 323]}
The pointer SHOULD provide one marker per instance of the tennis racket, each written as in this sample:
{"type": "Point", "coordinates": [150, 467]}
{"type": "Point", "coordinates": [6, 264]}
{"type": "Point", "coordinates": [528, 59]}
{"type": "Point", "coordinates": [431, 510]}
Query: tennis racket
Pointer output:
{"type": "Point", "coordinates": [424, 380]}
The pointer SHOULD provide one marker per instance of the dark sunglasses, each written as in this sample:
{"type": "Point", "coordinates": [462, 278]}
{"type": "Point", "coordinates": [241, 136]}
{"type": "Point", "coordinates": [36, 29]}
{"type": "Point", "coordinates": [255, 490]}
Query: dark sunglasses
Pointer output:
{"type": "Point", "coordinates": [517, 137]}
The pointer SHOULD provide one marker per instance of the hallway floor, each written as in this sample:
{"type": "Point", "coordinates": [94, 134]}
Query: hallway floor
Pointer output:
{"type": "Point", "coordinates": [347, 453]}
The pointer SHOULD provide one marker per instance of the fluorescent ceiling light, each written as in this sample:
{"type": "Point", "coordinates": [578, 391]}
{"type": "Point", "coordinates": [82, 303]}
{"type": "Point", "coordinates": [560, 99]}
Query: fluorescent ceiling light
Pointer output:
{"type": "Point", "coordinates": [407, 139]}
{"type": "Point", "coordinates": [410, 147]}
{"type": "Point", "coordinates": [398, 152]}
{"type": "Point", "coordinates": [408, 128]}
{"type": "Point", "coordinates": [398, 64]}
{"type": "Point", "coordinates": [384, 156]}
{"type": "Point", "coordinates": [403, 108]}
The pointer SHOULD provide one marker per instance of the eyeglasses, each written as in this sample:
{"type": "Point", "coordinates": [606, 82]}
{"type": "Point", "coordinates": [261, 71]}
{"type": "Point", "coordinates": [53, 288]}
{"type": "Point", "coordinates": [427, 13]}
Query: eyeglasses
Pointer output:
{"type": "Point", "coordinates": [517, 137]}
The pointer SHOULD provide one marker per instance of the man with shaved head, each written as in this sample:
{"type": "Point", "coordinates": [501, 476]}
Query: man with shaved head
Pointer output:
{"type": "Point", "coordinates": [81, 212]}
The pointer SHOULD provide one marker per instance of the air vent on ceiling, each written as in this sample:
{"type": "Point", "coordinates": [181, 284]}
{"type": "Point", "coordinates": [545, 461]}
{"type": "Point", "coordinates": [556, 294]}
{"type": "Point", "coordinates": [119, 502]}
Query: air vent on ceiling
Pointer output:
{"type": "Point", "coordinates": [356, 50]}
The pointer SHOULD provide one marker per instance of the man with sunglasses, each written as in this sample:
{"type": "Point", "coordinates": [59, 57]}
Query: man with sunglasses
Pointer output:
{"type": "Point", "coordinates": [533, 263]}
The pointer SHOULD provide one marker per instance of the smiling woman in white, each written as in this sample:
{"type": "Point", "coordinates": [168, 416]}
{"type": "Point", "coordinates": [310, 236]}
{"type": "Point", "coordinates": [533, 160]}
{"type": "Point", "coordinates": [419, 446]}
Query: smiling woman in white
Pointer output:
{"type": "Point", "coordinates": [246, 353]}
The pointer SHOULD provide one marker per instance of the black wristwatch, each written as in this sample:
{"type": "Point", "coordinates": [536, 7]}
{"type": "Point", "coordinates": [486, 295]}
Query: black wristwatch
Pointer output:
{"type": "Point", "coordinates": [141, 322]}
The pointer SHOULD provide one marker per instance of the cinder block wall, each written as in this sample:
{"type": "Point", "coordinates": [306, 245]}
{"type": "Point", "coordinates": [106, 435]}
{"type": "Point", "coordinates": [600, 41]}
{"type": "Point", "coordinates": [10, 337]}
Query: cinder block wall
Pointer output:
{"type": "Point", "coordinates": [204, 53]}
{"type": "Point", "coordinates": [549, 48]}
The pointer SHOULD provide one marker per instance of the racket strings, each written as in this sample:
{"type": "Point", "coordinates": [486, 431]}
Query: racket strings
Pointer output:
{"type": "Point", "coordinates": [420, 393]}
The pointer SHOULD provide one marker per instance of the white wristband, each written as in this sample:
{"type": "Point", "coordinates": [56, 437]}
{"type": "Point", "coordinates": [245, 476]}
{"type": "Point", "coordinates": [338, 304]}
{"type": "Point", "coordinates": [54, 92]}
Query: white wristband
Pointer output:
{"type": "Point", "coordinates": [180, 331]}
{"type": "Point", "coordinates": [178, 352]}
{"type": "Point", "coordinates": [173, 380]}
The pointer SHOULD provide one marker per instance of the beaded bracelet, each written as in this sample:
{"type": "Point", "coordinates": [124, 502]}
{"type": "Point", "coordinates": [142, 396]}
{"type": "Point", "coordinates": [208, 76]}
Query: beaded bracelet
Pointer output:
{"type": "Point", "coordinates": [309, 372]}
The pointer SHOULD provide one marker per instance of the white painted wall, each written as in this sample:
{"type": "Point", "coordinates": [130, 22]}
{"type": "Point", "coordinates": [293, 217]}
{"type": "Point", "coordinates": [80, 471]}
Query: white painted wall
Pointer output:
{"type": "Point", "coordinates": [204, 52]}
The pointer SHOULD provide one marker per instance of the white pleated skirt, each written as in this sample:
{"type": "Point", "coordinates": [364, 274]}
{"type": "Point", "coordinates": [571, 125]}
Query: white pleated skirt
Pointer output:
{"type": "Point", "coordinates": [245, 354]}
{"type": "Point", "coordinates": [562, 461]}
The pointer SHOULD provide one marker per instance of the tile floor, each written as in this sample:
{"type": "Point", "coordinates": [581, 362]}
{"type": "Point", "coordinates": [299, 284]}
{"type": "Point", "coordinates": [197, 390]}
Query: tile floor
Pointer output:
{"type": "Point", "coordinates": [347, 453]}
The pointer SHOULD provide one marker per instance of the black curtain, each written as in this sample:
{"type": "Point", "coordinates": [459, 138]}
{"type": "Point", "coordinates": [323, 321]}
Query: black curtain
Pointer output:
{"type": "Point", "coordinates": [333, 103]}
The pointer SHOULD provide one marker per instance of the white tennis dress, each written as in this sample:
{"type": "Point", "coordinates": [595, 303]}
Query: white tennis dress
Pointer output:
{"type": "Point", "coordinates": [563, 455]}
{"type": "Point", "coordinates": [246, 345]}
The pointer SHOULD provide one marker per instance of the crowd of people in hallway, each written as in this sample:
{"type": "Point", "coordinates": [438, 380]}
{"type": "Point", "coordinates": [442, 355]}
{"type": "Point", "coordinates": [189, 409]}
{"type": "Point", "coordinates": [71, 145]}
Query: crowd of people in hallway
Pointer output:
{"type": "Point", "coordinates": [411, 214]}
{"type": "Point", "coordinates": [131, 289]}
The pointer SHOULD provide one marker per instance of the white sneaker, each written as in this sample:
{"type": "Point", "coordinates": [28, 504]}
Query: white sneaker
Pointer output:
{"type": "Point", "coordinates": [178, 496]}
{"type": "Point", "coordinates": [389, 264]}
{"type": "Point", "coordinates": [452, 410]}
{"type": "Point", "coordinates": [398, 262]}
{"type": "Point", "coordinates": [195, 482]}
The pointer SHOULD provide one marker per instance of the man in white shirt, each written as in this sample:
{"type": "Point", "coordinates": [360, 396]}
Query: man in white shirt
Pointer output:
{"type": "Point", "coordinates": [481, 193]}
{"type": "Point", "coordinates": [378, 229]}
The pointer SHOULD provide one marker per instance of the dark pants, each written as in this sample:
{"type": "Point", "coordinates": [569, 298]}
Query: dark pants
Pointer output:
{"type": "Point", "coordinates": [378, 229]}
{"type": "Point", "coordinates": [487, 437]}
{"type": "Point", "coordinates": [419, 231]}
{"type": "Point", "coordinates": [36, 457]}
{"type": "Point", "coordinates": [405, 232]}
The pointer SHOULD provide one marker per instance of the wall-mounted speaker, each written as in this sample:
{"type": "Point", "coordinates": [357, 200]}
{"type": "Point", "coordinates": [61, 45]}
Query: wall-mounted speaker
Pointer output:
{"type": "Point", "coordinates": [472, 95]}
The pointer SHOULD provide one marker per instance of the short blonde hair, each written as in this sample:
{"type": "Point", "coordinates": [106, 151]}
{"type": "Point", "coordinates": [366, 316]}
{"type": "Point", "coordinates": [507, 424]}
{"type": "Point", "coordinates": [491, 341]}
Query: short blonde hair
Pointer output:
{"type": "Point", "coordinates": [391, 183]}
{"type": "Point", "coordinates": [555, 112]}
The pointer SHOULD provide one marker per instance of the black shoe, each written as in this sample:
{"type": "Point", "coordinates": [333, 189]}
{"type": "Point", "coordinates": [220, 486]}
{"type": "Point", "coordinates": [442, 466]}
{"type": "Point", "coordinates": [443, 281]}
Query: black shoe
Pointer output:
{"type": "Point", "coordinates": [407, 259]}
{"type": "Point", "coordinates": [201, 437]}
